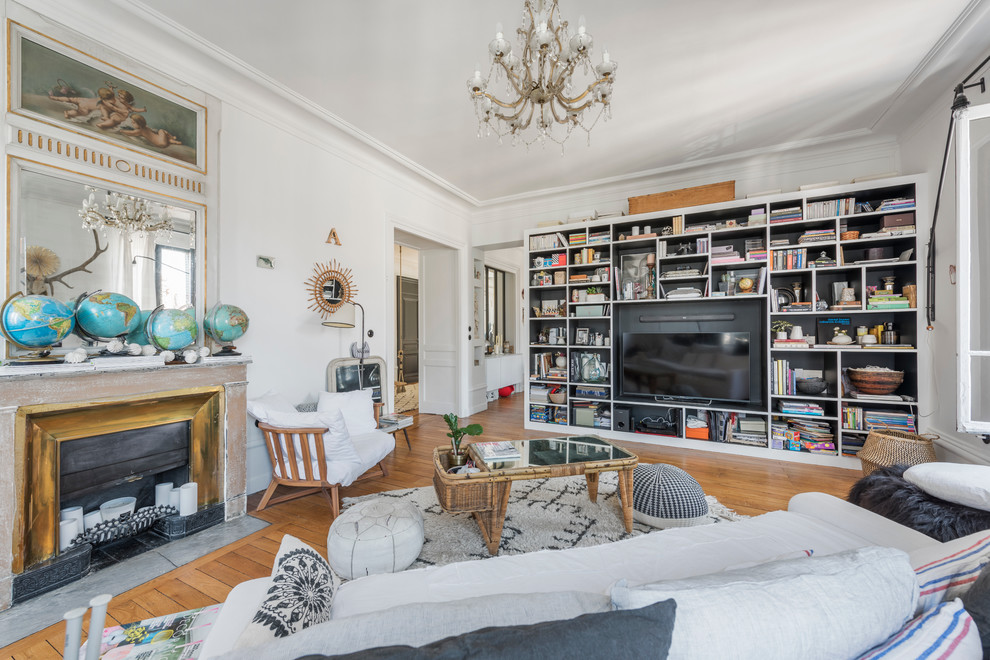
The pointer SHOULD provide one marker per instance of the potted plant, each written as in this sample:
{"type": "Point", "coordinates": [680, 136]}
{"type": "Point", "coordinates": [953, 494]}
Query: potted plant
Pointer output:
{"type": "Point", "coordinates": [780, 326]}
{"type": "Point", "coordinates": [595, 294]}
{"type": "Point", "coordinates": [456, 433]}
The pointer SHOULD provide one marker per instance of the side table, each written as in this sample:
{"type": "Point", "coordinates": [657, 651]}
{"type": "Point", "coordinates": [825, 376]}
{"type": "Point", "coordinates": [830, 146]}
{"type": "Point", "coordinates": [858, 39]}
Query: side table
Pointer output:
{"type": "Point", "coordinates": [393, 423]}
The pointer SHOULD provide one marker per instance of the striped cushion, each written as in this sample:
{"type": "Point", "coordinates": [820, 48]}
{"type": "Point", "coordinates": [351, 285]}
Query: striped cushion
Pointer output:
{"type": "Point", "coordinates": [947, 570]}
{"type": "Point", "coordinates": [945, 631]}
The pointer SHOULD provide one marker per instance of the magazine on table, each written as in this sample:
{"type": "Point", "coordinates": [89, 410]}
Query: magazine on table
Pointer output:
{"type": "Point", "coordinates": [497, 451]}
{"type": "Point", "coordinates": [396, 420]}
{"type": "Point", "coordinates": [178, 636]}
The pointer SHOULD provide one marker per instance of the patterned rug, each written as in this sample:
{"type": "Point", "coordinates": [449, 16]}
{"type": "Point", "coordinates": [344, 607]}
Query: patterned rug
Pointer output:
{"type": "Point", "coordinates": [543, 514]}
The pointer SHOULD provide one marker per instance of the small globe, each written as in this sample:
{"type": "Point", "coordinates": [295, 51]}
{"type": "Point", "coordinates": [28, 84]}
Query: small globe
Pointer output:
{"type": "Point", "coordinates": [140, 335]}
{"type": "Point", "coordinates": [106, 315]}
{"type": "Point", "coordinates": [746, 284]}
{"type": "Point", "coordinates": [172, 329]}
{"type": "Point", "coordinates": [37, 321]}
{"type": "Point", "coordinates": [226, 323]}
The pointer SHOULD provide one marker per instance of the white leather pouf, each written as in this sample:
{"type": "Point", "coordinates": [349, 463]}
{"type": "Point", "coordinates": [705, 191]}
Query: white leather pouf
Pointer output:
{"type": "Point", "coordinates": [377, 536]}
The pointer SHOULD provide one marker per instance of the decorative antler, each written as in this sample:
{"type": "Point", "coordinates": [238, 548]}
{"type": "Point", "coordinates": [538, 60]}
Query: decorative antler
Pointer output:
{"type": "Point", "coordinates": [59, 277]}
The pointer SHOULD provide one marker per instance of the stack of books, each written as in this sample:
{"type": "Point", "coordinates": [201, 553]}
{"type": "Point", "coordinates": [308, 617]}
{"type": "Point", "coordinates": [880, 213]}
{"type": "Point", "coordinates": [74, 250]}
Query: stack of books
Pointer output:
{"type": "Point", "coordinates": [879, 419]}
{"type": "Point", "coordinates": [539, 393]}
{"type": "Point", "coordinates": [497, 451]}
{"type": "Point", "coordinates": [546, 241]}
{"type": "Point", "coordinates": [817, 235]}
{"type": "Point", "coordinates": [886, 301]}
{"type": "Point", "coordinates": [790, 259]}
{"type": "Point", "coordinates": [756, 218]}
{"type": "Point", "coordinates": [750, 431]}
{"type": "Point", "coordinates": [677, 224]}
{"type": "Point", "coordinates": [577, 240]}
{"type": "Point", "coordinates": [785, 215]}
{"type": "Point", "coordinates": [790, 343]}
{"type": "Point", "coordinates": [897, 204]}
{"type": "Point", "coordinates": [598, 237]}
{"type": "Point", "coordinates": [755, 250]}
{"type": "Point", "coordinates": [814, 437]}
{"type": "Point", "coordinates": [800, 408]}
{"type": "Point", "coordinates": [724, 254]}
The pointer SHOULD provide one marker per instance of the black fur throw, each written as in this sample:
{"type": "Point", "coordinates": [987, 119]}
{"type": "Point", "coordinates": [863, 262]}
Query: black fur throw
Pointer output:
{"type": "Point", "coordinates": [888, 494]}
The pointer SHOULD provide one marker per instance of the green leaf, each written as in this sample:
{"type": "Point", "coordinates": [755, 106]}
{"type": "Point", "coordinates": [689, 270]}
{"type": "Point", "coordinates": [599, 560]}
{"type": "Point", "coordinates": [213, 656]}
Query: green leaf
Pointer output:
{"type": "Point", "coordinates": [473, 429]}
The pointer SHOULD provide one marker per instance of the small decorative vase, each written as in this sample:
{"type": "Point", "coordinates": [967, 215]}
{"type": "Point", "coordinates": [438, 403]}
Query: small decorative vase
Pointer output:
{"type": "Point", "coordinates": [460, 458]}
{"type": "Point", "coordinates": [797, 332]}
{"type": "Point", "coordinates": [592, 370]}
{"type": "Point", "coordinates": [560, 361]}
{"type": "Point", "coordinates": [781, 335]}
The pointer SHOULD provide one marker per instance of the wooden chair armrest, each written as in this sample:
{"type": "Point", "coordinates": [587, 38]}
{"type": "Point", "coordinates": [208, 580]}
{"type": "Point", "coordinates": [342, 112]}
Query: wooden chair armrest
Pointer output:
{"type": "Point", "coordinates": [378, 413]}
{"type": "Point", "coordinates": [276, 429]}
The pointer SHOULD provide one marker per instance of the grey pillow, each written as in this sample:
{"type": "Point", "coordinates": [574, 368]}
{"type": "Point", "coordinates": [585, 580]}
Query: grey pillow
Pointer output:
{"type": "Point", "coordinates": [641, 633]}
{"type": "Point", "coordinates": [977, 603]}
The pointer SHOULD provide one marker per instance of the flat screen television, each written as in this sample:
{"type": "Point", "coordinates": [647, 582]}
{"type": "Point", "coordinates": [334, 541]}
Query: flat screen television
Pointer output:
{"type": "Point", "coordinates": [686, 365]}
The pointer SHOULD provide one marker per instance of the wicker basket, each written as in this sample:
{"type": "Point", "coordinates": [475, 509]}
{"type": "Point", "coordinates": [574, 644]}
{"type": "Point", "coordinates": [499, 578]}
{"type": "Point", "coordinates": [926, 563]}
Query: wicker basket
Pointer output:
{"type": "Point", "coordinates": [886, 447]}
{"type": "Point", "coordinates": [458, 493]}
{"type": "Point", "coordinates": [849, 235]}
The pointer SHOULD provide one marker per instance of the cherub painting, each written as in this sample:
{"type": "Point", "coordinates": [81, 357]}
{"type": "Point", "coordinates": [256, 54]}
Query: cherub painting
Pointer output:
{"type": "Point", "coordinates": [95, 102]}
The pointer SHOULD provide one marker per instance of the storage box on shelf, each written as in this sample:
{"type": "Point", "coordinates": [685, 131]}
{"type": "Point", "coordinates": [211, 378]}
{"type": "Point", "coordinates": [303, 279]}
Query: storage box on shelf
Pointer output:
{"type": "Point", "coordinates": [819, 260]}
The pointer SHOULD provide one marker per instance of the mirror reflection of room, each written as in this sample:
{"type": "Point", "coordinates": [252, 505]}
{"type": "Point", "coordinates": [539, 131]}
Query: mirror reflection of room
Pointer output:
{"type": "Point", "coordinates": [72, 241]}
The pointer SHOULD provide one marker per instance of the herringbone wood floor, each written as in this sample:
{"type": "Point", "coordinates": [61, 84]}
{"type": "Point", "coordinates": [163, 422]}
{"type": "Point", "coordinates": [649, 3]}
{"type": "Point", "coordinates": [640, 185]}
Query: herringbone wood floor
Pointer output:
{"type": "Point", "coordinates": [750, 486]}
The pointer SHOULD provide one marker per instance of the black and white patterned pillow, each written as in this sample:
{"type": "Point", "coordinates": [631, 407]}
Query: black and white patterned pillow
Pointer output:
{"type": "Point", "coordinates": [302, 591]}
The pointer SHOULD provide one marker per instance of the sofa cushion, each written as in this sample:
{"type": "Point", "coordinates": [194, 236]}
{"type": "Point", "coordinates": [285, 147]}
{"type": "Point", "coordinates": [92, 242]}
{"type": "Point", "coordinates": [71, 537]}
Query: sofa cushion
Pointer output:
{"type": "Point", "coordinates": [357, 406]}
{"type": "Point", "coordinates": [948, 570]}
{"type": "Point", "coordinates": [424, 624]}
{"type": "Point", "coordinates": [269, 402]}
{"type": "Point", "coordinates": [944, 631]}
{"type": "Point", "coordinates": [301, 593]}
{"type": "Point", "coordinates": [337, 445]}
{"type": "Point", "coordinates": [822, 607]}
{"type": "Point", "coordinates": [644, 632]}
{"type": "Point", "coordinates": [977, 603]}
{"type": "Point", "coordinates": [961, 483]}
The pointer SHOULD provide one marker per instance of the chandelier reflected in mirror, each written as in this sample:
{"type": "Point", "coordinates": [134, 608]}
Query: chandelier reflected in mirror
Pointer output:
{"type": "Point", "coordinates": [553, 82]}
{"type": "Point", "coordinates": [125, 213]}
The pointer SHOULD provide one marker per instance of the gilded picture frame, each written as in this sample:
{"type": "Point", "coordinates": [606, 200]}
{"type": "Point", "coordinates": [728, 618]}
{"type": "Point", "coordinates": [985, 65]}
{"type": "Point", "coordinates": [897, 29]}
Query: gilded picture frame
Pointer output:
{"type": "Point", "coordinates": [61, 85]}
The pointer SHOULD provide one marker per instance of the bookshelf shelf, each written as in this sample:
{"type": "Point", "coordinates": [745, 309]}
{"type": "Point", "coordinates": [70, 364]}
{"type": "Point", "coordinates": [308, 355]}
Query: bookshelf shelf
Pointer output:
{"type": "Point", "coordinates": [757, 231]}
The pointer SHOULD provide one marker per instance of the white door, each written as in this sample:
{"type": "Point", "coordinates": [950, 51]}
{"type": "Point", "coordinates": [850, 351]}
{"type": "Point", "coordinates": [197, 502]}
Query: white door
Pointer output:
{"type": "Point", "coordinates": [439, 323]}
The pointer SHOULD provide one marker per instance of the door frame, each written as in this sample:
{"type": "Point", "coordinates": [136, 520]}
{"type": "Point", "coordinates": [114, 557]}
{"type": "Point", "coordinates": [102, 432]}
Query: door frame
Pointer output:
{"type": "Point", "coordinates": [458, 292]}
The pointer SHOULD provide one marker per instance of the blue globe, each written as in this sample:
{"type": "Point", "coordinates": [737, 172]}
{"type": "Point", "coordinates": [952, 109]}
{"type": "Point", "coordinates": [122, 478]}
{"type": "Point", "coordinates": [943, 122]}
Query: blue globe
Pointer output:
{"type": "Point", "coordinates": [172, 329]}
{"type": "Point", "coordinates": [106, 315]}
{"type": "Point", "coordinates": [225, 323]}
{"type": "Point", "coordinates": [37, 321]}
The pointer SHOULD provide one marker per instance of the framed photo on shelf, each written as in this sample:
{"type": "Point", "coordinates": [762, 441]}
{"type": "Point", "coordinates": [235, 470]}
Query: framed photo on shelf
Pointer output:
{"type": "Point", "coordinates": [66, 87]}
{"type": "Point", "coordinates": [581, 336]}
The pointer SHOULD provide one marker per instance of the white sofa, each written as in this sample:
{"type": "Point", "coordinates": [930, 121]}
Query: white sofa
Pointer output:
{"type": "Point", "coordinates": [813, 521]}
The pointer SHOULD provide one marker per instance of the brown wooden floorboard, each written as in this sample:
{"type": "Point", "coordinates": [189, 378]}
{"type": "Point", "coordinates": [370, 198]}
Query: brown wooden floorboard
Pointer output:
{"type": "Point", "coordinates": [750, 486]}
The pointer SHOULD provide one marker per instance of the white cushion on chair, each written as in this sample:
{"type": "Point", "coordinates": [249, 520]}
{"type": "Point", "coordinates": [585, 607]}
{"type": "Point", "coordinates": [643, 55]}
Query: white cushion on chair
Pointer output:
{"type": "Point", "coordinates": [269, 402]}
{"type": "Point", "coordinates": [337, 443]}
{"type": "Point", "coordinates": [357, 407]}
{"type": "Point", "coordinates": [373, 447]}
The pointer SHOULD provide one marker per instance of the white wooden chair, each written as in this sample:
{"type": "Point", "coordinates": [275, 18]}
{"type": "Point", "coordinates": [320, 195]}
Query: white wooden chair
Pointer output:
{"type": "Point", "coordinates": [299, 462]}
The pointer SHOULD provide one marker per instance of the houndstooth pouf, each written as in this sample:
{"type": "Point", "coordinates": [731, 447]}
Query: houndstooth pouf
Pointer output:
{"type": "Point", "coordinates": [667, 496]}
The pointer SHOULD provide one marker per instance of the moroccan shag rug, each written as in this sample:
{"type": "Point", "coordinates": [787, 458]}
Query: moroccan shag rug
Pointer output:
{"type": "Point", "coordinates": [543, 514]}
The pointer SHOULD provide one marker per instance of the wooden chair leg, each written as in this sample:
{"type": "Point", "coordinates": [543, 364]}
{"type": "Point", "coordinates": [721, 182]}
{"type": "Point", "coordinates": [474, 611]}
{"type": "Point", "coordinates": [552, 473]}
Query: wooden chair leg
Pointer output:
{"type": "Point", "coordinates": [334, 497]}
{"type": "Point", "coordinates": [267, 496]}
{"type": "Point", "coordinates": [381, 466]}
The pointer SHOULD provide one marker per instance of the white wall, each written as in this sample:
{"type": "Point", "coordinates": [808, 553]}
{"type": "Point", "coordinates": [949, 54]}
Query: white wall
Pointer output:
{"type": "Point", "coordinates": [922, 148]}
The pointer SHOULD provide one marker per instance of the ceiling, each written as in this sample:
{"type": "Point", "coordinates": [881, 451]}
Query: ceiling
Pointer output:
{"type": "Point", "coordinates": [698, 80]}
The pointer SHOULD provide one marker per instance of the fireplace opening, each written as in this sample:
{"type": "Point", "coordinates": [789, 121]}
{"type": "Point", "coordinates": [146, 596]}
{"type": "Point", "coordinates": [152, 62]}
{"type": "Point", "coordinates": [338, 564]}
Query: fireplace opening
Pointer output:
{"type": "Point", "coordinates": [127, 463]}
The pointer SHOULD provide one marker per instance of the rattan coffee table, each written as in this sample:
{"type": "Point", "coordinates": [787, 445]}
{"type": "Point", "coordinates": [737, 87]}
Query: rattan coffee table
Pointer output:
{"type": "Point", "coordinates": [486, 493]}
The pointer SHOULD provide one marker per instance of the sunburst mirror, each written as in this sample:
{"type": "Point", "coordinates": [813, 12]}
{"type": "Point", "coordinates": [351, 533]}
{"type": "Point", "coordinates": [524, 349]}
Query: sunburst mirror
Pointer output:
{"type": "Point", "coordinates": [330, 287]}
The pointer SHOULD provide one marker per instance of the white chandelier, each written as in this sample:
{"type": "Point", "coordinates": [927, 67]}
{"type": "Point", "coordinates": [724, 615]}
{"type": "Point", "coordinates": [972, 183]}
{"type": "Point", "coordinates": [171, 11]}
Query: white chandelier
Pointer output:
{"type": "Point", "coordinates": [539, 86]}
{"type": "Point", "coordinates": [125, 213]}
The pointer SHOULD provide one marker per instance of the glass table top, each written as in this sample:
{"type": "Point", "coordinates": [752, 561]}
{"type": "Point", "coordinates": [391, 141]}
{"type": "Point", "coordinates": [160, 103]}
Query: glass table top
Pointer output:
{"type": "Point", "coordinates": [561, 451]}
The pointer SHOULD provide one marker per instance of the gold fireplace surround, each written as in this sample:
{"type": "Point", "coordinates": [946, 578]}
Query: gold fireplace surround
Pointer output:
{"type": "Point", "coordinates": [40, 429]}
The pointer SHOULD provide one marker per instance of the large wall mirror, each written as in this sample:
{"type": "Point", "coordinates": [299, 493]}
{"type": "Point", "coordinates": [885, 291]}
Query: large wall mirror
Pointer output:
{"type": "Point", "coordinates": [50, 252]}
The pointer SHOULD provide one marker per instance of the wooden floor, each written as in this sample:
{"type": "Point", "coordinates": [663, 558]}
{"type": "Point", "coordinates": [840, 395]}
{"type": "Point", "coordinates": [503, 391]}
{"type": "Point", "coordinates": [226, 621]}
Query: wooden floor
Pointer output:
{"type": "Point", "coordinates": [750, 486]}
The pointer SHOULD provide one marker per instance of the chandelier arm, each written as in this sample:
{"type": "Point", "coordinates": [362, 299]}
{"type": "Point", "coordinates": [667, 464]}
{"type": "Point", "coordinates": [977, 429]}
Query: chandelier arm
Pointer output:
{"type": "Point", "coordinates": [587, 91]}
{"type": "Point", "coordinates": [509, 106]}
{"type": "Point", "coordinates": [513, 80]}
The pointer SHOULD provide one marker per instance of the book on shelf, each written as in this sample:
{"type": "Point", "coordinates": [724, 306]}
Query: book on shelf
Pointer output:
{"type": "Point", "coordinates": [502, 450]}
{"type": "Point", "coordinates": [785, 215]}
{"type": "Point", "coordinates": [790, 343]}
{"type": "Point", "coordinates": [127, 361]}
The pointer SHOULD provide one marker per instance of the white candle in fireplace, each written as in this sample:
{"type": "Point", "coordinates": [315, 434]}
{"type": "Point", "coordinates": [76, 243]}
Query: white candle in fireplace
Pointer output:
{"type": "Point", "coordinates": [162, 493]}
{"type": "Point", "coordinates": [75, 512]}
{"type": "Point", "coordinates": [173, 497]}
{"type": "Point", "coordinates": [188, 498]}
{"type": "Point", "coordinates": [68, 529]}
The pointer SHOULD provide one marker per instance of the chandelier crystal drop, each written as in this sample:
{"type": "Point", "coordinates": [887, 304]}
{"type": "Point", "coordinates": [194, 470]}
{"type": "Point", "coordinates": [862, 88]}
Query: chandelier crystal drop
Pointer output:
{"type": "Point", "coordinates": [552, 83]}
{"type": "Point", "coordinates": [125, 213]}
